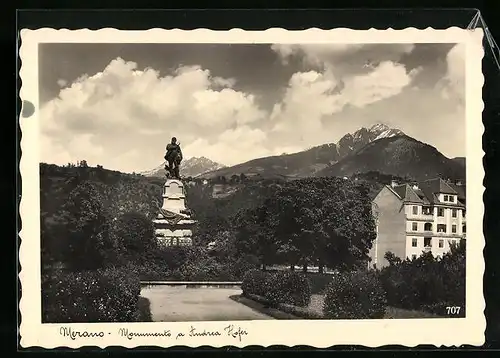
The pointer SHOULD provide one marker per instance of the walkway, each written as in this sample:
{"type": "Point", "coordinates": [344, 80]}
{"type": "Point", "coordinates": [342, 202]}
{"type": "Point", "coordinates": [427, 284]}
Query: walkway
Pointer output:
{"type": "Point", "coordinates": [175, 304]}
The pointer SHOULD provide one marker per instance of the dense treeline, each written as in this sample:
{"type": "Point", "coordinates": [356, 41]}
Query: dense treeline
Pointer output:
{"type": "Point", "coordinates": [316, 221]}
{"type": "Point", "coordinates": [98, 239]}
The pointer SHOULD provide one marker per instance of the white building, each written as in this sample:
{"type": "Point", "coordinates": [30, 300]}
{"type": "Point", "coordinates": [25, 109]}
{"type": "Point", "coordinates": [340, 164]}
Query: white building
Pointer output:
{"type": "Point", "coordinates": [412, 219]}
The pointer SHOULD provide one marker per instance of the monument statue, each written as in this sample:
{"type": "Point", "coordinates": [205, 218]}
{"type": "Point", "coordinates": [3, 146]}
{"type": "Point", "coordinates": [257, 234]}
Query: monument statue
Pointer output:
{"type": "Point", "coordinates": [173, 224]}
{"type": "Point", "coordinates": [173, 159]}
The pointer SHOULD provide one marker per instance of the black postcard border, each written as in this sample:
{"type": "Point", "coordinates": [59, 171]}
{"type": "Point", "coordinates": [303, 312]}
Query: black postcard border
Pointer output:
{"type": "Point", "coordinates": [292, 19]}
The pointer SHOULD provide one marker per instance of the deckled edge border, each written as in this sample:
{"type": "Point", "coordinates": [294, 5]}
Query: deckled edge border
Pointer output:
{"type": "Point", "coordinates": [272, 31]}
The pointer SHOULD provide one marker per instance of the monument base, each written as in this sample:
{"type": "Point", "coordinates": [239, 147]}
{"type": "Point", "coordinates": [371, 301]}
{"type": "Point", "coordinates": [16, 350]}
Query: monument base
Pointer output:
{"type": "Point", "coordinates": [173, 224]}
{"type": "Point", "coordinates": [174, 241]}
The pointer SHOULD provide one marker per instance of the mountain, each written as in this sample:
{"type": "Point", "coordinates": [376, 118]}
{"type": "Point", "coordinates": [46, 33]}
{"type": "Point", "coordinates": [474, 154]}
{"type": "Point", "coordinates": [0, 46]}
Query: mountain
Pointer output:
{"type": "Point", "coordinates": [191, 167]}
{"type": "Point", "coordinates": [398, 155]}
{"type": "Point", "coordinates": [351, 143]}
{"type": "Point", "coordinates": [460, 160]}
{"type": "Point", "coordinates": [311, 161]}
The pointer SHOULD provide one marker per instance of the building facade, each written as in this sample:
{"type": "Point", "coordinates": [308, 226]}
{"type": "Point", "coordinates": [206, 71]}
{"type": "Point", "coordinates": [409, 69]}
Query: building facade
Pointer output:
{"type": "Point", "coordinates": [414, 218]}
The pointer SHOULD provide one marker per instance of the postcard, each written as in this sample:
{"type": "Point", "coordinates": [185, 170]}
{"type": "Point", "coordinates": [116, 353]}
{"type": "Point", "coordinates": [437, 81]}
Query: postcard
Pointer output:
{"type": "Point", "coordinates": [236, 188]}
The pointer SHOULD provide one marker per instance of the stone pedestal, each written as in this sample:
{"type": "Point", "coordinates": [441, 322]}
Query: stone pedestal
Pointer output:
{"type": "Point", "coordinates": [173, 225]}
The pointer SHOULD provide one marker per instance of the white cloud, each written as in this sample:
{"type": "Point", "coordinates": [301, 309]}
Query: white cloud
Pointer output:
{"type": "Point", "coordinates": [123, 117]}
{"type": "Point", "coordinates": [313, 98]}
{"type": "Point", "coordinates": [122, 108]}
{"type": "Point", "coordinates": [453, 84]}
{"type": "Point", "coordinates": [232, 146]}
{"type": "Point", "coordinates": [343, 59]}
{"type": "Point", "coordinates": [62, 82]}
{"type": "Point", "coordinates": [386, 80]}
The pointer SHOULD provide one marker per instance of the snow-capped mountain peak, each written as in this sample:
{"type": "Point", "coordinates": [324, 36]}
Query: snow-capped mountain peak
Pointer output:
{"type": "Point", "coordinates": [378, 127]}
{"type": "Point", "coordinates": [193, 167]}
{"type": "Point", "coordinates": [380, 130]}
{"type": "Point", "coordinates": [352, 142]}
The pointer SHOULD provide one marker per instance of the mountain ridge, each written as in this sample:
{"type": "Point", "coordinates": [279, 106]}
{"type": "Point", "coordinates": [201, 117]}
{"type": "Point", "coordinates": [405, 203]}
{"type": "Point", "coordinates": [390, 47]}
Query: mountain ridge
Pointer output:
{"type": "Point", "coordinates": [308, 162]}
{"type": "Point", "coordinates": [399, 155]}
{"type": "Point", "coordinates": [377, 148]}
{"type": "Point", "coordinates": [191, 167]}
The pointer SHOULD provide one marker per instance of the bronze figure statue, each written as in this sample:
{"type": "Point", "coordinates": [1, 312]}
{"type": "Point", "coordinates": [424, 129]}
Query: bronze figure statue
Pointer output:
{"type": "Point", "coordinates": [173, 158]}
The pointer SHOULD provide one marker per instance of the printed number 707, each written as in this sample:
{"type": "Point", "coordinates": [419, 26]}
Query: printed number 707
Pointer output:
{"type": "Point", "coordinates": [453, 310]}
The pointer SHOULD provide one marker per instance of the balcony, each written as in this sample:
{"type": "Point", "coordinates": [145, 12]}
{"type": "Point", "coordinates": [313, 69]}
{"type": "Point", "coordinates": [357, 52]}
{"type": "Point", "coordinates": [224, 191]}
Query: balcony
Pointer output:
{"type": "Point", "coordinates": [421, 216]}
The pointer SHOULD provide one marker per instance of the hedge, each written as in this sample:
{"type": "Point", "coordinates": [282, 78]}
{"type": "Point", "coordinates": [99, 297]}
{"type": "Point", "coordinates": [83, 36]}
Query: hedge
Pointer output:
{"type": "Point", "coordinates": [278, 287]}
{"type": "Point", "coordinates": [254, 283]}
{"type": "Point", "coordinates": [355, 295]}
{"type": "Point", "coordinates": [288, 287]}
{"type": "Point", "coordinates": [103, 295]}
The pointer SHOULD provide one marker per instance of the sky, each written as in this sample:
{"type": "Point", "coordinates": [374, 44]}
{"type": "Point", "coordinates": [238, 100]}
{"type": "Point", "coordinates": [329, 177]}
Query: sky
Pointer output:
{"type": "Point", "coordinates": [118, 105]}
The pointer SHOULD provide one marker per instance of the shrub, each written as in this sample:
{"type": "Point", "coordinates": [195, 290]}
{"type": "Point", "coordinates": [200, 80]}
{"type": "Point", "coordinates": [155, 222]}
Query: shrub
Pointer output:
{"type": "Point", "coordinates": [319, 281]}
{"type": "Point", "coordinates": [104, 295]}
{"type": "Point", "coordinates": [205, 269]}
{"type": "Point", "coordinates": [288, 287]}
{"type": "Point", "coordinates": [355, 295]}
{"type": "Point", "coordinates": [152, 271]}
{"type": "Point", "coordinates": [135, 233]}
{"type": "Point", "coordinates": [245, 264]}
{"type": "Point", "coordinates": [254, 283]}
{"type": "Point", "coordinates": [427, 283]}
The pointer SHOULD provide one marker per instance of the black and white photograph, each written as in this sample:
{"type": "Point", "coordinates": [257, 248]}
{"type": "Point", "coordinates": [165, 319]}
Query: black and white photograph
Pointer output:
{"type": "Point", "coordinates": [188, 182]}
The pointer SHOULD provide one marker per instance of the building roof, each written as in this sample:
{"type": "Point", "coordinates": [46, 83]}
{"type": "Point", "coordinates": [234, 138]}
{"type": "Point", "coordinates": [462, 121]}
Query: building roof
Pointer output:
{"type": "Point", "coordinates": [426, 192]}
{"type": "Point", "coordinates": [407, 193]}
{"type": "Point", "coordinates": [438, 185]}
{"type": "Point", "coordinates": [460, 189]}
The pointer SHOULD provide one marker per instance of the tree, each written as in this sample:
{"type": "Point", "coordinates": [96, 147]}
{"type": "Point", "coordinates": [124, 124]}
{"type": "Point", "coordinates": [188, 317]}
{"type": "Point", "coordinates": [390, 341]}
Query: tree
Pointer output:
{"type": "Point", "coordinates": [322, 221]}
{"type": "Point", "coordinates": [234, 179]}
{"type": "Point", "coordinates": [253, 234]}
{"type": "Point", "coordinates": [83, 164]}
{"type": "Point", "coordinates": [135, 234]}
{"type": "Point", "coordinates": [348, 223]}
{"type": "Point", "coordinates": [83, 226]}
{"type": "Point", "coordinates": [392, 258]}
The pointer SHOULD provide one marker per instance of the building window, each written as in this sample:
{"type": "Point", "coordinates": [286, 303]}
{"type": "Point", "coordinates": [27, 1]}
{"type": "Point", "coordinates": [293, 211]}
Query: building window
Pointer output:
{"type": "Point", "coordinates": [414, 226]}
{"type": "Point", "coordinates": [445, 198]}
{"type": "Point", "coordinates": [451, 198]}
{"type": "Point", "coordinates": [454, 229]}
{"type": "Point", "coordinates": [463, 213]}
{"type": "Point", "coordinates": [441, 243]}
{"type": "Point", "coordinates": [426, 210]}
{"type": "Point", "coordinates": [463, 229]}
{"type": "Point", "coordinates": [415, 210]}
{"type": "Point", "coordinates": [427, 242]}
{"type": "Point", "coordinates": [414, 242]}
{"type": "Point", "coordinates": [441, 228]}
{"type": "Point", "coordinates": [454, 213]}
{"type": "Point", "coordinates": [427, 227]}
{"type": "Point", "coordinates": [413, 257]}
{"type": "Point", "coordinates": [440, 212]}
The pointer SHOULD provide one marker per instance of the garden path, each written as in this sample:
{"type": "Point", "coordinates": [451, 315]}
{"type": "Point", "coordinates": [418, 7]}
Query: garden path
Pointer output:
{"type": "Point", "coordinates": [176, 304]}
